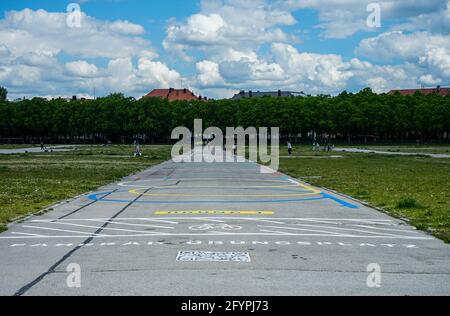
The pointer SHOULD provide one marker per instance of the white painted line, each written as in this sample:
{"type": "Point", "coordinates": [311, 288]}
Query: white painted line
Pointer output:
{"type": "Point", "coordinates": [256, 179]}
{"type": "Point", "coordinates": [304, 229]}
{"type": "Point", "coordinates": [321, 221]}
{"type": "Point", "coordinates": [103, 228]}
{"type": "Point", "coordinates": [346, 229]}
{"type": "Point", "coordinates": [208, 234]}
{"type": "Point", "coordinates": [265, 221]}
{"type": "Point", "coordinates": [388, 229]}
{"type": "Point", "coordinates": [369, 221]}
{"type": "Point", "coordinates": [66, 231]}
{"type": "Point", "coordinates": [104, 220]}
{"type": "Point", "coordinates": [207, 219]}
{"type": "Point", "coordinates": [293, 181]}
{"type": "Point", "coordinates": [27, 234]}
{"type": "Point", "coordinates": [129, 224]}
{"type": "Point", "coordinates": [158, 220]}
{"type": "Point", "coordinates": [277, 233]}
{"type": "Point", "coordinates": [220, 233]}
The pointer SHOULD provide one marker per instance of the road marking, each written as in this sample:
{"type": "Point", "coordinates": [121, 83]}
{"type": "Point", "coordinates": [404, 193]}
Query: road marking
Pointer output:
{"type": "Point", "coordinates": [357, 230]}
{"type": "Point", "coordinates": [209, 227]}
{"type": "Point", "coordinates": [136, 192]}
{"type": "Point", "coordinates": [307, 187]}
{"type": "Point", "coordinates": [254, 226]}
{"type": "Point", "coordinates": [260, 243]}
{"type": "Point", "coordinates": [112, 222]}
{"type": "Point", "coordinates": [206, 212]}
{"type": "Point", "coordinates": [27, 234]}
{"type": "Point", "coordinates": [221, 234]}
{"type": "Point", "coordinates": [61, 230]}
{"type": "Point", "coordinates": [128, 183]}
{"type": "Point", "coordinates": [301, 229]}
{"type": "Point", "coordinates": [169, 219]}
{"type": "Point", "coordinates": [323, 196]}
{"type": "Point", "coordinates": [106, 220]}
{"type": "Point", "coordinates": [104, 228]}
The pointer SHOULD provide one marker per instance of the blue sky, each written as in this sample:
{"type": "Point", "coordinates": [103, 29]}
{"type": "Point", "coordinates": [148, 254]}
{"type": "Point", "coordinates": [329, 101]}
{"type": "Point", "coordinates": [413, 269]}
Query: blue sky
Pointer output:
{"type": "Point", "coordinates": [218, 47]}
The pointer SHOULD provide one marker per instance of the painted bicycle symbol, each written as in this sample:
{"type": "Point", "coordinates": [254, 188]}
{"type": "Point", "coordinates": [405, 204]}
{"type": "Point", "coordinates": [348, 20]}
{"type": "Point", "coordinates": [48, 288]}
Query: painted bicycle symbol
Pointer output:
{"type": "Point", "coordinates": [215, 226]}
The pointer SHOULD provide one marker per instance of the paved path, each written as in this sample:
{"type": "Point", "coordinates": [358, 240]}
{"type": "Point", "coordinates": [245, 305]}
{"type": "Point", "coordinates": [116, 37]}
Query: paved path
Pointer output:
{"type": "Point", "coordinates": [218, 229]}
{"type": "Point", "coordinates": [35, 150]}
{"type": "Point", "coordinates": [390, 153]}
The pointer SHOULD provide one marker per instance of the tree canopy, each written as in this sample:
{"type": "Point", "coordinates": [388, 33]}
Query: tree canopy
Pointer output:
{"type": "Point", "coordinates": [350, 117]}
{"type": "Point", "coordinates": [3, 93]}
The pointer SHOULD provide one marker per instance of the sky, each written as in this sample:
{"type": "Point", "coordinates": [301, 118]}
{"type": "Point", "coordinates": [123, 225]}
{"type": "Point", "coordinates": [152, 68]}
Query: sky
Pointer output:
{"type": "Point", "coordinates": [218, 47]}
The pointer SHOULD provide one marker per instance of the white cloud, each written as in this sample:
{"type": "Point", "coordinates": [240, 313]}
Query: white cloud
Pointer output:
{"type": "Point", "coordinates": [156, 73]}
{"type": "Point", "coordinates": [231, 45]}
{"type": "Point", "coordinates": [429, 52]}
{"type": "Point", "coordinates": [4, 51]}
{"type": "Point", "coordinates": [399, 45]}
{"type": "Point", "coordinates": [429, 80]}
{"type": "Point", "coordinates": [32, 42]}
{"type": "Point", "coordinates": [383, 78]}
{"type": "Point", "coordinates": [343, 18]}
{"type": "Point", "coordinates": [223, 24]}
{"type": "Point", "coordinates": [208, 74]}
{"type": "Point", "coordinates": [437, 59]}
{"type": "Point", "coordinates": [121, 67]}
{"type": "Point", "coordinates": [326, 71]}
{"type": "Point", "coordinates": [28, 31]}
{"type": "Point", "coordinates": [125, 27]}
{"type": "Point", "coordinates": [81, 68]}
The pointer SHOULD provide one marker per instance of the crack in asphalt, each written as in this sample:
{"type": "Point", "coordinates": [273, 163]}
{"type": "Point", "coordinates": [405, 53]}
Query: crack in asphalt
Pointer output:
{"type": "Point", "coordinates": [52, 269]}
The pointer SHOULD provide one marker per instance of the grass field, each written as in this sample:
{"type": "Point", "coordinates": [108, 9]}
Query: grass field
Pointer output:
{"type": "Point", "coordinates": [426, 149]}
{"type": "Point", "coordinates": [416, 188]}
{"type": "Point", "coordinates": [11, 146]}
{"type": "Point", "coordinates": [29, 183]}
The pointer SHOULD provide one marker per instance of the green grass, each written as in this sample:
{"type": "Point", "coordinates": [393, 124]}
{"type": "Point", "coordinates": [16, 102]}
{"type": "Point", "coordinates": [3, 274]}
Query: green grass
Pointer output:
{"type": "Point", "coordinates": [31, 182]}
{"type": "Point", "coordinates": [408, 203]}
{"type": "Point", "coordinates": [420, 149]}
{"type": "Point", "coordinates": [416, 188]}
{"type": "Point", "coordinates": [12, 146]}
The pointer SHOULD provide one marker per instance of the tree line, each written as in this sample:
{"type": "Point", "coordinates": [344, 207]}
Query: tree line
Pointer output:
{"type": "Point", "coordinates": [349, 117]}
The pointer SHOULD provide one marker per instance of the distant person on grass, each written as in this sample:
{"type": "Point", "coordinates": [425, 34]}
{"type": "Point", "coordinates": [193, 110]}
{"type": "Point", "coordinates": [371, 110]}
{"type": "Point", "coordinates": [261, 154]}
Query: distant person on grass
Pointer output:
{"type": "Point", "coordinates": [137, 149]}
{"type": "Point", "coordinates": [289, 144]}
{"type": "Point", "coordinates": [316, 146]}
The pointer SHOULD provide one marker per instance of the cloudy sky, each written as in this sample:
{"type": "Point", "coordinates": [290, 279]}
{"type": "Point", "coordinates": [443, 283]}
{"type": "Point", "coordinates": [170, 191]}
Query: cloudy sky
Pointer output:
{"type": "Point", "coordinates": [218, 47]}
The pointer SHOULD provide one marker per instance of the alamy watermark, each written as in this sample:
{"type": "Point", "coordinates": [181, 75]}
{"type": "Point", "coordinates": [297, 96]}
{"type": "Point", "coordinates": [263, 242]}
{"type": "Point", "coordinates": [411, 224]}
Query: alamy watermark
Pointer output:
{"type": "Point", "coordinates": [73, 18]}
{"type": "Point", "coordinates": [73, 280]}
{"type": "Point", "coordinates": [374, 278]}
{"type": "Point", "coordinates": [374, 18]}
{"type": "Point", "coordinates": [209, 145]}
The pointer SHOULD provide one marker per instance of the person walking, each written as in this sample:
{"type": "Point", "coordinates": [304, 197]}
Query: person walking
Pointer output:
{"type": "Point", "coordinates": [289, 144]}
{"type": "Point", "coordinates": [137, 149]}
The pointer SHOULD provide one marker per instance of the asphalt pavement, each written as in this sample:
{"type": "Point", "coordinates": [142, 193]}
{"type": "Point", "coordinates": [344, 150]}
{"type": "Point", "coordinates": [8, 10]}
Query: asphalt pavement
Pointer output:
{"type": "Point", "coordinates": [218, 229]}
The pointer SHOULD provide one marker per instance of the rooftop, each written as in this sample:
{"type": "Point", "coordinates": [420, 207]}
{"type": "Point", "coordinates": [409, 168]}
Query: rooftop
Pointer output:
{"type": "Point", "coordinates": [259, 94]}
{"type": "Point", "coordinates": [175, 94]}
{"type": "Point", "coordinates": [438, 90]}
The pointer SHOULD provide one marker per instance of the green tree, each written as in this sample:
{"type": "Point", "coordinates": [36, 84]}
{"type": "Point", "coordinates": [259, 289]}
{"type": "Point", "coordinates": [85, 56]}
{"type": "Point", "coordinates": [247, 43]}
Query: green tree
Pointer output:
{"type": "Point", "coordinates": [3, 93]}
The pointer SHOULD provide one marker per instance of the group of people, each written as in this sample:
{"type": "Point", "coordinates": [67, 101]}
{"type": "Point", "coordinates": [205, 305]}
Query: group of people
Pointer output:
{"type": "Point", "coordinates": [316, 147]}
